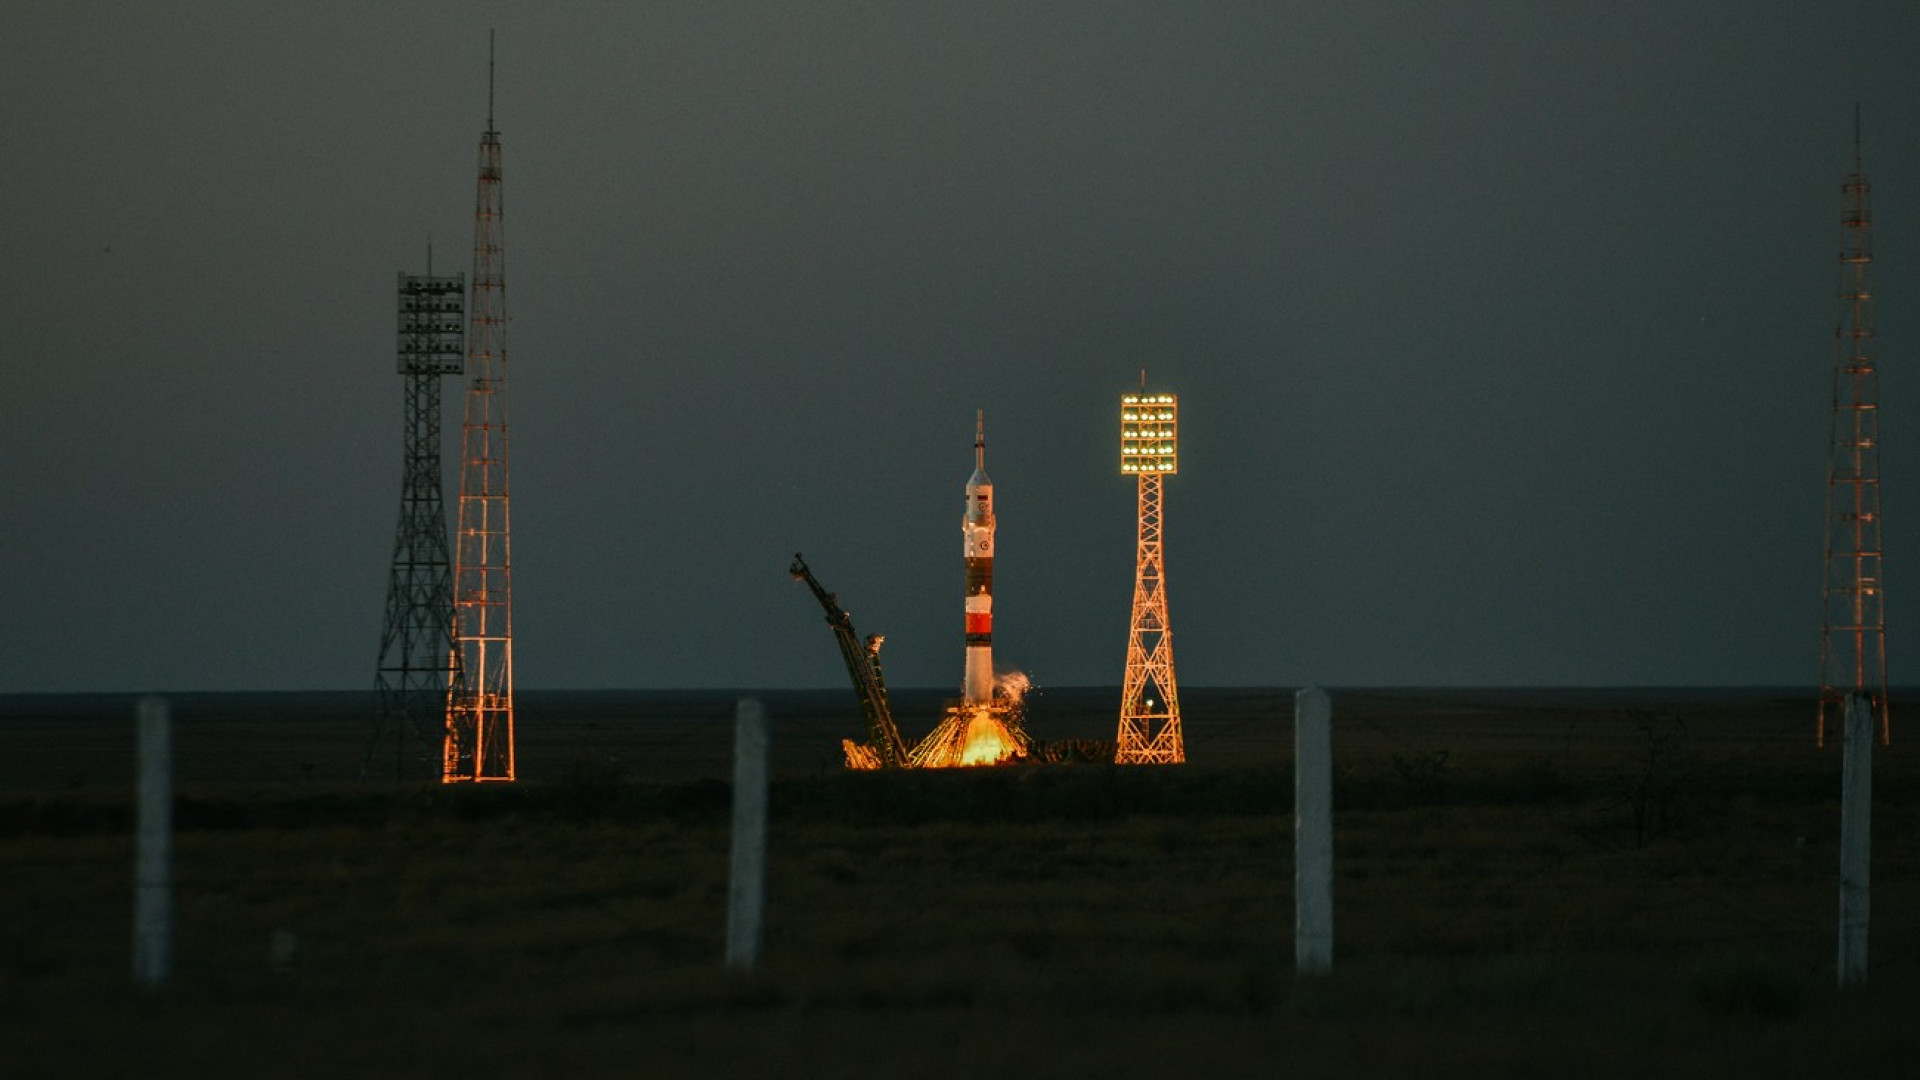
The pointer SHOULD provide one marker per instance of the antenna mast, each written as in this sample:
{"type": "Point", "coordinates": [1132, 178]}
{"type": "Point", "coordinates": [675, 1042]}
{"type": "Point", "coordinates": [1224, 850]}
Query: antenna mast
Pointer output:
{"type": "Point", "coordinates": [1853, 630]}
{"type": "Point", "coordinates": [479, 729]}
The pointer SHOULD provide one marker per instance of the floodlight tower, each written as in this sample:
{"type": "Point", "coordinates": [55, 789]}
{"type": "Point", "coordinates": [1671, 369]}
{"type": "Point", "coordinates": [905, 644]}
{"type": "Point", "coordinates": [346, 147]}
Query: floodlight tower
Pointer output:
{"type": "Point", "coordinates": [1149, 699]}
{"type": "Point", "coordinates": [417, 657]}
{"type": "Point", "coordinates": [479, 731]}
{"type": "Point", "coordinates": [1853, 630]}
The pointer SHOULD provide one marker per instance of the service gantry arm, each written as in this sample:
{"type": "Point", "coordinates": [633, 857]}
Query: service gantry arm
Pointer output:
{"type": "Point", "coordinates": [863, 663]}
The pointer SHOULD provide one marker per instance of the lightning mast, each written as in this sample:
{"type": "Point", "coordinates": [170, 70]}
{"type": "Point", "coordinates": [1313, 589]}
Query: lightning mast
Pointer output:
{"type": "Point", "coordinates": [1853, 630]}
{"type": "Point", "coordinates": [417, 658]}
{"type": "Point", "coordinates": [479, 729]}
{"type": "Point", "coordinates": [1149, 699]}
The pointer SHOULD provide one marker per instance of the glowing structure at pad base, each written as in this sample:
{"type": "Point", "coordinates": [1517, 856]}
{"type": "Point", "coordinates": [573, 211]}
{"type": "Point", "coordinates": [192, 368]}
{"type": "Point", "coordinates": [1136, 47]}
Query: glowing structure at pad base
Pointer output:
{"type": "Point", "coordinates": [1149, 698]}
{"type": "Point", "coordinates": [976, 535]}
{"type": "Point", "coordinates": [971, 735]}
{"type": "Point", "coordinates": [861, 757]}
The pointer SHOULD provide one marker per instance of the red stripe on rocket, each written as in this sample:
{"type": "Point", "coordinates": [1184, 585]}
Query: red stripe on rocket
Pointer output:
{"type": "Point", "coordinates": [976, 530]}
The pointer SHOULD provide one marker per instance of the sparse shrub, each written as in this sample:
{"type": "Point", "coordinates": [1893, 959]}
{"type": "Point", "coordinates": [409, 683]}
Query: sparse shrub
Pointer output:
{"type": "Point", "coordinates": [1652, 795]}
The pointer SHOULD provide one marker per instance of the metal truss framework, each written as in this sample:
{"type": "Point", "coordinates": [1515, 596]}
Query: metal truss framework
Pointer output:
{"type": "Point", "coordinates": [1853, 629]}
{"type": "Point", "coordinates": [479, 737]}
{"type": "Point", "coordinates": [417, 658]}
{"type": "Point", "coordinates": [1149, 699]}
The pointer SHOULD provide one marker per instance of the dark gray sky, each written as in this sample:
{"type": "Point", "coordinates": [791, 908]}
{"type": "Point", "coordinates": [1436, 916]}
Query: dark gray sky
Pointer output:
{"type": "Point", "coordinates": [1502, 331]}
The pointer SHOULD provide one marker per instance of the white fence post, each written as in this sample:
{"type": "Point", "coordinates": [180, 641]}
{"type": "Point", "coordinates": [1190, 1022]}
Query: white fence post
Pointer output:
{"type": "Point", "coordinates": [1313, 832]}
{"type": "Point", "coordinates": [1856, 831]}
{"type": "Point", "coordinates": [746, 893]}
{"type": "Point", "coordinates": [153, 847]}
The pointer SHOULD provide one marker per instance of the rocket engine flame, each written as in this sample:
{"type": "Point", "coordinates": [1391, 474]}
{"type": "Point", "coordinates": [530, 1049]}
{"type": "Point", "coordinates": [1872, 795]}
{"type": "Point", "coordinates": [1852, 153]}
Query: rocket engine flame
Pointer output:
{"type": "Point", "coordinates": [987, 741]}
{"type": "Point", "coordinates": [967, 734]}
{"type": "Point", "coordinates": [973, 735]}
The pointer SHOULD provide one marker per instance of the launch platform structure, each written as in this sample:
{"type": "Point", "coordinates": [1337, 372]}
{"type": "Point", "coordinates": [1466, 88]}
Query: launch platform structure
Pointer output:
{"type": "Point", "coordinates": [417, 661]}
{"type": "Point", "coordinates": [1853, 629]}
{"type": "Point", "coordinates": [479, 730]}
{"type": "Point", "coordinates": [1150, 699]}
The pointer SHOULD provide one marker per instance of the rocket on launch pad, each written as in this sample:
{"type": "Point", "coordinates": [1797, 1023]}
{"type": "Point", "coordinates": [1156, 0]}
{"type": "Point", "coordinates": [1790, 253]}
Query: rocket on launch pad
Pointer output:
{"type": "Point", "coordinates": [976, 530]}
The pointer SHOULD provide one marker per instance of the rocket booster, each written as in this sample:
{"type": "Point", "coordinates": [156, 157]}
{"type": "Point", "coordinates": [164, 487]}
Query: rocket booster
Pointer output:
{"type": "Point", "coordinates": [976, 530]}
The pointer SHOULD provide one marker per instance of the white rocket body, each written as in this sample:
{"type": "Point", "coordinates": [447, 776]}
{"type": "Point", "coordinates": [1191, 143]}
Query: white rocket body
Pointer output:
{"type": "Point", "coordinates": [976, 530]}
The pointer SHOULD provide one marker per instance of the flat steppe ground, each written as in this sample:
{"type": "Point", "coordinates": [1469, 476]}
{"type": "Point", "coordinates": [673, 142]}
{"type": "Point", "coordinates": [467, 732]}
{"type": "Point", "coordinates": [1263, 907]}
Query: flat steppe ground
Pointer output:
{"type": "Point", "coordinates": [1552, 883]}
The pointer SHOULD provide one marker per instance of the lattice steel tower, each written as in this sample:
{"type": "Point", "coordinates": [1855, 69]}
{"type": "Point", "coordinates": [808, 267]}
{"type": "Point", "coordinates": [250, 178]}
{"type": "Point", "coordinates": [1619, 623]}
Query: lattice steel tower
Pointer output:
{"type": "Point", "coordinates": [417, 658]}
{"type": "Point", "coordinates": [1149, 699]}
{"type": "Point", "coordinates": [479, 730]}
{"type": "Point", "coordinates": [1853, 630]}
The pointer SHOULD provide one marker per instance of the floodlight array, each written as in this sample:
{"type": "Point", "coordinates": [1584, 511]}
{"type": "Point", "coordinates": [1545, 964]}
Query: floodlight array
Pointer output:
{"type": "Point", "coordinates": [1149, 433]}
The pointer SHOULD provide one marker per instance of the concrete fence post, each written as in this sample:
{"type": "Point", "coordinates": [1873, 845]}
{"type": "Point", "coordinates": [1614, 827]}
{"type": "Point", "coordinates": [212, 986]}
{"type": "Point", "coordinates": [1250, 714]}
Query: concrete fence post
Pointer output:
{"type": "Point", "coordinates": [746, 892]}
{"type": "Point", "coordinates": [153, 847]}
{"type": "Point", "coordinates": [1313, 831]}
{"type": "Point", "coordinates": [1856, 832]}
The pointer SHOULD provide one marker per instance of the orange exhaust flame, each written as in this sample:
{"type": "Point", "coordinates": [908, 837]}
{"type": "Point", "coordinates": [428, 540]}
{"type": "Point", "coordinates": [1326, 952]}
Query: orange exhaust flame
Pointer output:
{"type": "Point", "coordinates": [971, 736]}
{"type": "Point", "coordinates": [966, 736]}
{"type": "Point", "coordinates": [976, 736]}
{"type": "Point", "coordinates": [987, 741]}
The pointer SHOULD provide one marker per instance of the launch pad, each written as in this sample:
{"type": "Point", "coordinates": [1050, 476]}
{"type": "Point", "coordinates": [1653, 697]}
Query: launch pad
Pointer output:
{"type": "Point", "coordinates": [987, 733]}
{"type": "Point", "coordinates": [969, 734]}
{"type": "Point", "coordinates": [987, 725]}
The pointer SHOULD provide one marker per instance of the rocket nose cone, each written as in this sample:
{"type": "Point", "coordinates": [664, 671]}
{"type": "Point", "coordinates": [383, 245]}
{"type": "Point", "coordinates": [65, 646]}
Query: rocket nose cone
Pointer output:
{"type": "Point", "coordinates": [978, 480]}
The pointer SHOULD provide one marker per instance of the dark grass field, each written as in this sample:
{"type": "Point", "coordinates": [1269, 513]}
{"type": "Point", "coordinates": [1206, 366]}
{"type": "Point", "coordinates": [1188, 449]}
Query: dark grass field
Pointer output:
{"type": "Point", "coordinates": [1529, 883]}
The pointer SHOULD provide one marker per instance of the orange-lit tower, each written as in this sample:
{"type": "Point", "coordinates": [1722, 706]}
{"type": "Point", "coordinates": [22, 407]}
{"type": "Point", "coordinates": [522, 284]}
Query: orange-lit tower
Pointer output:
{"type": "Point", "coordinates": [416, 646]}
{"type": "Point", "coordinates": [1853, 630]}
{"type": "Point", "coordinates": [479, 736]}
{"type": "Point", "coordinates": [1149, 699]}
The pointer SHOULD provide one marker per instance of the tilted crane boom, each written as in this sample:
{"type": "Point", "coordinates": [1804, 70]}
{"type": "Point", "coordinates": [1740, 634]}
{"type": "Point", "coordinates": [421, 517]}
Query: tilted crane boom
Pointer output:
{"type": "Point", "coordinates": [863, 664]}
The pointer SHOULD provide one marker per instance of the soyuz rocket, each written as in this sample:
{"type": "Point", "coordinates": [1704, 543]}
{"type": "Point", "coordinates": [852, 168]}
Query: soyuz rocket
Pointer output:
{"type": "Point", "coordinates": [976, 530]}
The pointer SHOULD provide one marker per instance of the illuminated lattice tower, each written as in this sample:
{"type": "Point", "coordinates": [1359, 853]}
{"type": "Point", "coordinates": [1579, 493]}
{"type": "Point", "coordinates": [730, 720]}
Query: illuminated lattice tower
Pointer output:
{"type": "Point", "coordinates": [416, 647]}
{"type": "Point", "coordinates": [1149, 699]}
{"type": "Point", "coordinates": [1853, 630]}
{"type": "Point", "coordinates": [479, 731]}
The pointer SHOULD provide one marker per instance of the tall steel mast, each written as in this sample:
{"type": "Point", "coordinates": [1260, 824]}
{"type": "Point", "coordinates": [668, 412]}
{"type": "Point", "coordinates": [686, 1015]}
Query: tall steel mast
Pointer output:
{"type": "Point", "coordinates": [479, 732]}
{"type": "Point", "coordinates": [1853, 630]}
